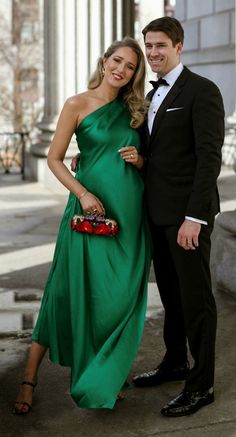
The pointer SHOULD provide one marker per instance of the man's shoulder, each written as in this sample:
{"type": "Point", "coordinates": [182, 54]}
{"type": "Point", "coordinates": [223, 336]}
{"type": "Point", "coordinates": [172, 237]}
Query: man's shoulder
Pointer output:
{"type": "Point", "coordinates": [198, 80]}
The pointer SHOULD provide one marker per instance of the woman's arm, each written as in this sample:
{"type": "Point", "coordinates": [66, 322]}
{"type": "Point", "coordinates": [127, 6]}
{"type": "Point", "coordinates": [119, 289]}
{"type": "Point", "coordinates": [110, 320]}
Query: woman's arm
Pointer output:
{"type": "Point", "coordinates": [66, 126]}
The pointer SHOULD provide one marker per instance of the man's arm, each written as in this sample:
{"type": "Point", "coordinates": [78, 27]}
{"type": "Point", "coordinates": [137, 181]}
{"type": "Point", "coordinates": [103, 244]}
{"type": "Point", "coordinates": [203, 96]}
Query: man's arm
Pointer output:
{"type": "Point", "coordinates": [208, 127]}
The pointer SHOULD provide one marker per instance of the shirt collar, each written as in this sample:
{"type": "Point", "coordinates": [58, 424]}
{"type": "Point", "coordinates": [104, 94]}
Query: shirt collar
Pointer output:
{"type": "Point", "coordinates": [173, 75]}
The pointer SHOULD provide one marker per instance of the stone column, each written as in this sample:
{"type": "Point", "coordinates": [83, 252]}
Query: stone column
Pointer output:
{"type": "Point", "coordinates": [60, 80]}
{"type": "Point", "coordinates": [146, 12]}
{"type": "Point", "coordinates": [59, 66]}
{"type": "Point", "coordinates": [128, 17]}
{"type": "Point", "coordinates": [76, 33]}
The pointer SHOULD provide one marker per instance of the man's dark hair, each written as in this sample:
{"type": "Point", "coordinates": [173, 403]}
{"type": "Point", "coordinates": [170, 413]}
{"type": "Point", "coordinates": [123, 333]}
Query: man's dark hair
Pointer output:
{"type": "Point", "coordinates": [169, 25]}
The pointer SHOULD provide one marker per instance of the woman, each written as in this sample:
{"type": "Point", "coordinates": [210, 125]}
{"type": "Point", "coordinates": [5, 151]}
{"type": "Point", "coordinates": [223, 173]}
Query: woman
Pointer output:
{"type": "Point", "coordinates": [93, 308]}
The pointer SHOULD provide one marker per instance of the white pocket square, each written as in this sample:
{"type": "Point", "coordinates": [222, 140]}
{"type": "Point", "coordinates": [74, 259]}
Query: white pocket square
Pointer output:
{"type": "Point", "coordinates": [174, 109]}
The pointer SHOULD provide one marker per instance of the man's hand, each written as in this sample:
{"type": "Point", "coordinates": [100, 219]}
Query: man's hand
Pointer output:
{"type": "Point", "coordinates": [188, 235]}
{"type": "Point", "coordinates": [74, 162]}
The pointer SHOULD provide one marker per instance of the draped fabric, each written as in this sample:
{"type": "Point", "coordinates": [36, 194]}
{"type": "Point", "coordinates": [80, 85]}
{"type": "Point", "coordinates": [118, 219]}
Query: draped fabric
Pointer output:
{"type": "Point", "coordinates": [93, 309]}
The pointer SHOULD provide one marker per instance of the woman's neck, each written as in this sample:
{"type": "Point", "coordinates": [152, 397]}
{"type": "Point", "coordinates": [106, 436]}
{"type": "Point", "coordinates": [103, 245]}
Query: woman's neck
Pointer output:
{"type": "Point", "coordinates": [106, 93]}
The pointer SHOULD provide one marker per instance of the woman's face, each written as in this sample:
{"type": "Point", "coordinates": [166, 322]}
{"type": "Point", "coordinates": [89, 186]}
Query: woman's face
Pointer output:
{"type": "Point", "coordinates": [120, 66]}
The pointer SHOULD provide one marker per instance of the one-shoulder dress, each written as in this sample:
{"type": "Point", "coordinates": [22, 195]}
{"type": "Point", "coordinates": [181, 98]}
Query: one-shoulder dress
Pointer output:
{"type": "Point", "coordinates": [93, 308]}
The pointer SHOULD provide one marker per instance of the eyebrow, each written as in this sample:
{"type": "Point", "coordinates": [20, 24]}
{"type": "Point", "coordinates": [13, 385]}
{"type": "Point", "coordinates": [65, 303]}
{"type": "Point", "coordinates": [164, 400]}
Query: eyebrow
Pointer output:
{"type": "Point", "coordinates": [128, 62]}
{"type": "Point", "coordinates": [161, 43]}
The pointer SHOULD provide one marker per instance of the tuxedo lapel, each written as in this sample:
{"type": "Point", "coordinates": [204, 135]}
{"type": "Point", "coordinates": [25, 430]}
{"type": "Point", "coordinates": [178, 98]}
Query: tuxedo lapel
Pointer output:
{"type": "Point", "coordinates": [171, 96]}
{"type": "Point", "coordinates": [149, 95]}
{"type": "Point", "coordinates": [146, 129]}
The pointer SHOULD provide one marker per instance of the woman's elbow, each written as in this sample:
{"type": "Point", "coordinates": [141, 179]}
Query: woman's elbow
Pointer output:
{"type": "Point", "coordinates": [52, 160]}
{"type": "Point", "coordinates": [49, 160]}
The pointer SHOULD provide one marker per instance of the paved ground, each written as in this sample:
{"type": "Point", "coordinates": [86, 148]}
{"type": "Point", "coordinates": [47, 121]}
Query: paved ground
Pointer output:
{"type": "Point", "coordinates": [29, 216]}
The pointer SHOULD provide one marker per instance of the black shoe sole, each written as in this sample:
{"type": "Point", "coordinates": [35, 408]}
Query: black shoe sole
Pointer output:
{"type": "Point", "coordinates": [201, 404]}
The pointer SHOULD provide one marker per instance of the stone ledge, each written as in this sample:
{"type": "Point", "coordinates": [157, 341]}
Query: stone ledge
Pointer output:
{"type": "Point", "coordinates": [227, 220]}
{"type": "Point", "coordinates": [224, 258]}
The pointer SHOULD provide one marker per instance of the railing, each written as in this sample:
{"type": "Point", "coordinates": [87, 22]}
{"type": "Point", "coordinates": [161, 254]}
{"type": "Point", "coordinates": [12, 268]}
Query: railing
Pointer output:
{"type": "Point", "coordinates": [12, 151]}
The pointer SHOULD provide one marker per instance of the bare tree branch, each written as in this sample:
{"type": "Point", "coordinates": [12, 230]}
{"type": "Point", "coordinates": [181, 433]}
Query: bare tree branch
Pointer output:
{"type": "Point", "coordinates": [20, 87]}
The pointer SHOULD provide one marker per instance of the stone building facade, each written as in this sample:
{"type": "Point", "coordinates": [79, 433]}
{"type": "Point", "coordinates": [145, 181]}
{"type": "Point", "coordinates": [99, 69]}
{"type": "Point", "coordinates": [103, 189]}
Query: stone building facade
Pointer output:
{"type": "Point", "coordinates": [209, 47]}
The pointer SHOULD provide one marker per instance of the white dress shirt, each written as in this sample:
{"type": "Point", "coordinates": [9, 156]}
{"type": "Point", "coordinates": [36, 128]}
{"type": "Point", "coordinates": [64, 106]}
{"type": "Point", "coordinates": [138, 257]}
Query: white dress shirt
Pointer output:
{"type": "Point", "coordinates": [156, 102]}
{"type": "Point", "coordinates": [162, 92]}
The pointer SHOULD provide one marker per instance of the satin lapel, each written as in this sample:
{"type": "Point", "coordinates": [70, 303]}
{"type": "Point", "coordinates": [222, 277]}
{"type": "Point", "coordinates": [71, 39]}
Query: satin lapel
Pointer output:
{"type": "Point", "coordinates": [146, 130]}
{"type": "Point", "coordinates": [173, 93]}
{"type": "Point", "coordinates": [147, 133]}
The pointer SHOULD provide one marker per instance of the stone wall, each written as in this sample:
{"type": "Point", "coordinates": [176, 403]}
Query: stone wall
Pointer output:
{"type": "Point", "coordinates": [209, 47]}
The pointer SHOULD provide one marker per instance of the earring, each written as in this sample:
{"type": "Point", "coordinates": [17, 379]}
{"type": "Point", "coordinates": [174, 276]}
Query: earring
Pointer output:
{"type": "Point", "coordinates": [102, 71]}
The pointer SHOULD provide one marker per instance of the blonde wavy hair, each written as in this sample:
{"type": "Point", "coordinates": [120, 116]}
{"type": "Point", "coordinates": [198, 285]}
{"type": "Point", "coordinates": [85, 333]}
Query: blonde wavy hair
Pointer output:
{"type": "Point", "coordinates": [133, 92]}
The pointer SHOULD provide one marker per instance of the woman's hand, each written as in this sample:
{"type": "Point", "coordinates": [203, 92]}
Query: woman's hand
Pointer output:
{"type": "Point", "coordinates": [131, 155]}
{"type": "Point", "coordinates": [91, 204]}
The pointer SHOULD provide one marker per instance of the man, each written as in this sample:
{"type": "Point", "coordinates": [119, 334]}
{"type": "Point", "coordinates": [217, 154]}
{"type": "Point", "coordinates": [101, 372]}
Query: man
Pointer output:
{"type": "Point", "coordinates": [183, 138]}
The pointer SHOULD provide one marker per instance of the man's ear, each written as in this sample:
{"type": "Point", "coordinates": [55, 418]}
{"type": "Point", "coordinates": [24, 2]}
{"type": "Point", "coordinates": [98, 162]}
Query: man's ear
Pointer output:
{"type": "Point", "coordinates": [179, 47]}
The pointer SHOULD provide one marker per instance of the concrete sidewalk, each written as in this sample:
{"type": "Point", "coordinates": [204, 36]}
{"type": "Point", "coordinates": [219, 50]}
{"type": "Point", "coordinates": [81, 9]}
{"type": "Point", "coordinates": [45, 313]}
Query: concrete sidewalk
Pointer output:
{"type": "Point", "coordinates": [29, 221]}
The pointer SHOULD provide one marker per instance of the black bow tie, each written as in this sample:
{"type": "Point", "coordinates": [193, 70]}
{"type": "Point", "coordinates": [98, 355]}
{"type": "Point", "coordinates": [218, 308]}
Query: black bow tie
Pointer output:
{"type": "Point", "coordinates": [157, 83]}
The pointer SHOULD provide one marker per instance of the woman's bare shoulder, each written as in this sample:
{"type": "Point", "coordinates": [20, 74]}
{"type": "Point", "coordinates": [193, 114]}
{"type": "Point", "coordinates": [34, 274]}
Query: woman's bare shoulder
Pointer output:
{"type": "Point", "coordinates": [77, 101]}
{"type": "Point", "coordinates": [82, 104]}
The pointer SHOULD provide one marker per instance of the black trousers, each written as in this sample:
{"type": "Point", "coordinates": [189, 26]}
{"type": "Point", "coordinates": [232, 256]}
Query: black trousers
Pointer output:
{"type": "Point", "coordinates": [184, 282]}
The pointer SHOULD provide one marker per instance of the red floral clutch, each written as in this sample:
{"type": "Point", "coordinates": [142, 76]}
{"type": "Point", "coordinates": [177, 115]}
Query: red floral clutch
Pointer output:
{"type": "Point", "coordinates": [94, 224]}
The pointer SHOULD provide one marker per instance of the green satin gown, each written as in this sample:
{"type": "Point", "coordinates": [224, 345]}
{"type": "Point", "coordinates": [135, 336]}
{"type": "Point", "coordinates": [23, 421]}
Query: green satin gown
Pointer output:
{"type": "Point", "coordinates": [93, 309]}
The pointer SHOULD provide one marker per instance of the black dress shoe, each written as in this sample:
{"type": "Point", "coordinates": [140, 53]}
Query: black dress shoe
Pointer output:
{"type": "Point", "coordinates": [160, 375]}
{"type": "Point", "coordinates": [188, 402]}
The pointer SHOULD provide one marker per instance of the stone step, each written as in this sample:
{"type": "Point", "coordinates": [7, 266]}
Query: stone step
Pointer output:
{"type": "Point", "coordinates": [14, 320]}
{"type": "Point", "coordinates": [19, 307]}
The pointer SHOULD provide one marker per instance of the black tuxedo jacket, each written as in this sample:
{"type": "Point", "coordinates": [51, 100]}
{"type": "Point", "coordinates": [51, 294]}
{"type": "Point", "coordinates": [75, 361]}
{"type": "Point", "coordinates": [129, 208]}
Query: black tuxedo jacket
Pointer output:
{"type": "Point", "coordinates": [184, 151]}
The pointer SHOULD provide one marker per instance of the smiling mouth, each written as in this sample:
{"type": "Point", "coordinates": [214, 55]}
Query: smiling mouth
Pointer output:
{"type": "Point", "coordinates": [156, 61]}
{"type": "Point", "coordinates": [117, 76]}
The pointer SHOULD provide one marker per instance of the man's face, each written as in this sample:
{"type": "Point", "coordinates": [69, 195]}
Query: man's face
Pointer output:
{"type": "Point", "coordinates": [161, 55]}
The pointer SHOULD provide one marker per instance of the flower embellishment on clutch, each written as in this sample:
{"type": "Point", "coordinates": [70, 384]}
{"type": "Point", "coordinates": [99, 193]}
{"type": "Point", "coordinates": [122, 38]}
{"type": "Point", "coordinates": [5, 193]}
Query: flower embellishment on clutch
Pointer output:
{"type": "Point", "coordinates": [94, 224]}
